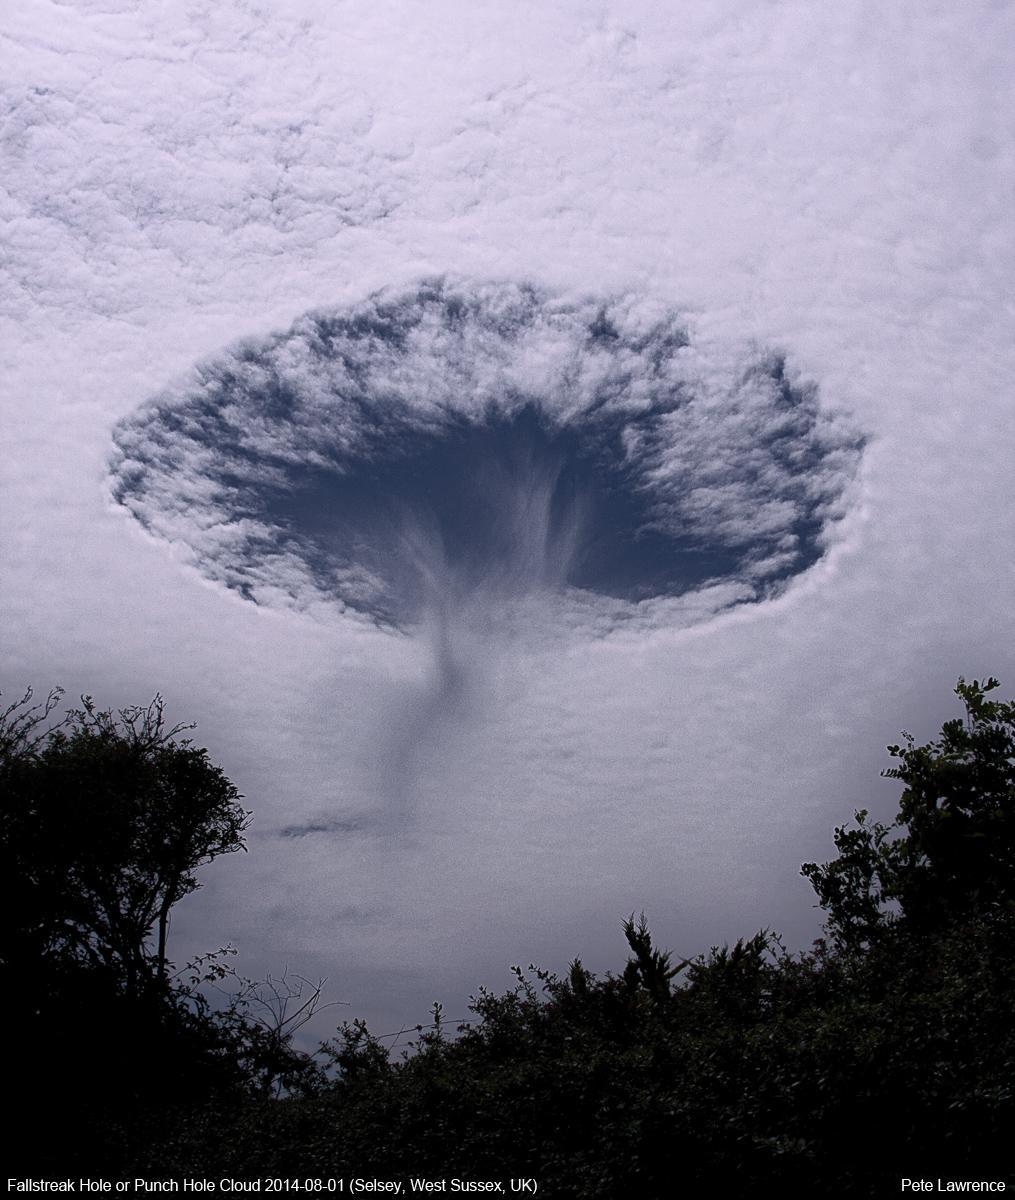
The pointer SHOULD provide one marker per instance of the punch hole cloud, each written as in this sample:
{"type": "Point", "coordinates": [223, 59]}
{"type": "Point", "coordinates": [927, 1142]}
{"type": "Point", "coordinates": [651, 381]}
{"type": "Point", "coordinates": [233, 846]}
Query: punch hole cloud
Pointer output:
{"type": "Point", "coordinates": [488, 469]}
{"type": "Point", "coordinates": [456, 448]}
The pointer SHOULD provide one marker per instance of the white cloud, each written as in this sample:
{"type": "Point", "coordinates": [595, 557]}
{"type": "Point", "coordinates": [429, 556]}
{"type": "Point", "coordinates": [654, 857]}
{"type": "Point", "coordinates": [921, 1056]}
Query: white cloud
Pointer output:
{"type": "Point", "coordinates": [811, 178]}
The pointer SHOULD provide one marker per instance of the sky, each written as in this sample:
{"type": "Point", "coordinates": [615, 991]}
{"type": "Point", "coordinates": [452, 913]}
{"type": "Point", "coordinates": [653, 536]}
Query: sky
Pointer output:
{"type": "Point", "coordinates": [701, 314]}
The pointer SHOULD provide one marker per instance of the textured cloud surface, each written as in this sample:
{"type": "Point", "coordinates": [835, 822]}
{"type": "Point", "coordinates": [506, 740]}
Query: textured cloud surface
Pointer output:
{"type": "Point", "coordinates": [831, 181]}
{"type": "Point", "coordinates": [177, 156]}
{"type": "Point", "coordinates": [425, 446]}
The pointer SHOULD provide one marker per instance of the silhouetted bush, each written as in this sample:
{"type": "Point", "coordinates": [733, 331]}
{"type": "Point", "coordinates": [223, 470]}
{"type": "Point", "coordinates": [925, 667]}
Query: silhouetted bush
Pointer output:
{"type": "Point", "coordinates": [886, 1050]}
{"type": "Point", "coordinates": [105, 820]}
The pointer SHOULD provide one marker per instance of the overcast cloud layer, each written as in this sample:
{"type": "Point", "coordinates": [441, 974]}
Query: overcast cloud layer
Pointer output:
{"type": "Point", "coordinates": [832, 186]}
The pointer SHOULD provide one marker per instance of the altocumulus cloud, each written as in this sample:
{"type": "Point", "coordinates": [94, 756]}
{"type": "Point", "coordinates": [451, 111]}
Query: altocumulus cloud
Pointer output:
{"type": "Point", "coordinates": [182, 175]}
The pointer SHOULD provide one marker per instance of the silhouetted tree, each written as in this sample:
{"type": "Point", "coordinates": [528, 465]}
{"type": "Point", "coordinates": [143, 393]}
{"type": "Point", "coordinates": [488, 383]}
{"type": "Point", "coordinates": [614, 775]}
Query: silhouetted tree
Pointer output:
{"type": "Point", "coordinates": [950, 852]}
{"type": "Point", "coordinates": [104, 821]}
{"type": "Point", "coordinates": [888, 1050]}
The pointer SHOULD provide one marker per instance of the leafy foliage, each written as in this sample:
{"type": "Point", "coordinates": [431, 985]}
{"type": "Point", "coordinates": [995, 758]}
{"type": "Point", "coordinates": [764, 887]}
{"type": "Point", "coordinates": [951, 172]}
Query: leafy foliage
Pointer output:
{"type": "Point", "coordinates": [887, 1049]}
{"type": "Point", "coordinates": [105, 821]}
{"type": "Point", "coordinates": [821, 1073]}
{"type": "Point", "coordinates": [950, 852]}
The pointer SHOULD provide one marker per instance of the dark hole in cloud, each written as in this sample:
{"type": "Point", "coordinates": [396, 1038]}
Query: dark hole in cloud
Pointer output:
{"type": "Point", "coordinates": [463, 440]}
{"type": "Point", "coordinates": [507, 502]}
